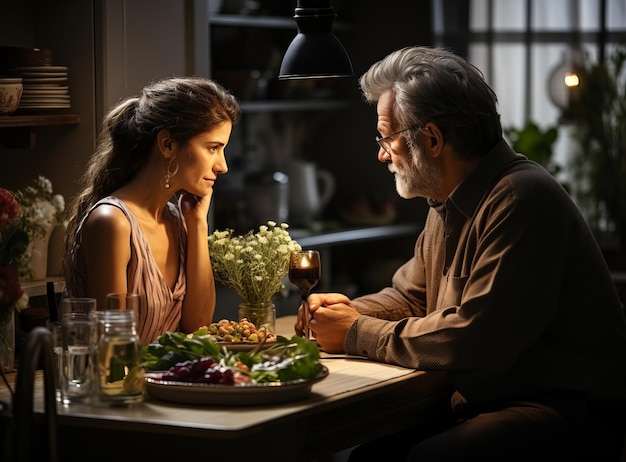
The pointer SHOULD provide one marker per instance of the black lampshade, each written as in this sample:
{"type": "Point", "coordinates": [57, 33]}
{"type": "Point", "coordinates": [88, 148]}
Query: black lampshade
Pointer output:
{"type": "Point", "coordinates": [315, 52]}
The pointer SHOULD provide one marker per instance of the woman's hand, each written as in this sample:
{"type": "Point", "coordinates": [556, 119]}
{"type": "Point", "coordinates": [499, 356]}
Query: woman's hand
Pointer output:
{"type": "Point", "coordinates": [199, 301]}
{"type": "Point", "coordinates": [194, 207]}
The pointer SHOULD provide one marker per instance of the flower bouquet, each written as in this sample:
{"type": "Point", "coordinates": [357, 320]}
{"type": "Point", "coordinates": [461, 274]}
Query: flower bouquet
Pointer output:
{"type": "Point", "coordinates": [43, 209]}
{"type": "Point", "coordinates": [41, 206]}
{"type": "Point", "coordinates": [16, 232]}
{"type": "Point", "coordinates": [253, 265]}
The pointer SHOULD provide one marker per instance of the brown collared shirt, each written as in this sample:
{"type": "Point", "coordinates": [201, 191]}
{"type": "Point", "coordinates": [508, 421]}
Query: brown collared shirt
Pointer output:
{"type": "Point", "coordinates": [507, 291]}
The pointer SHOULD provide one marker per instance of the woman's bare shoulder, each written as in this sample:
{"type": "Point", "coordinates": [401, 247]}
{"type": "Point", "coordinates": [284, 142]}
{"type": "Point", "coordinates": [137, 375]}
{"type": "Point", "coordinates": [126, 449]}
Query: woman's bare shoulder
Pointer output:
{"type": "Point", "coordinates": [107, 220]}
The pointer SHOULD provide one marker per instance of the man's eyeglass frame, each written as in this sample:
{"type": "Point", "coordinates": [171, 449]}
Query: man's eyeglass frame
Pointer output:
{"type": "Point", "coordinates": [381, 140]}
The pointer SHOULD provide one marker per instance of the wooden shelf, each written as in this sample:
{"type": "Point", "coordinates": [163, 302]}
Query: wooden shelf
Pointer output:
{"type": "Point", "coordinates": [38, 288]}
{"type": "Point", "coordinates": [293, 105]}
{"type": "Point", "coordinates": [310, 239]}
{"type": "Point", "coordinates": [236, 20]}
{"type": "Point", "coordinates": [38, 120]}
{"type": "Point", "coordinates": [269, 22]}
{"type": "Point", "coordinates": [16, 131]}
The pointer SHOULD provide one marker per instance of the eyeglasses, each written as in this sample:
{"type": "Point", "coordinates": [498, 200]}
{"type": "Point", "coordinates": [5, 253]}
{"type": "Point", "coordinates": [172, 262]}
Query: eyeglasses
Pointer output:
{"type": "Point", "coordinates": [384, 142]}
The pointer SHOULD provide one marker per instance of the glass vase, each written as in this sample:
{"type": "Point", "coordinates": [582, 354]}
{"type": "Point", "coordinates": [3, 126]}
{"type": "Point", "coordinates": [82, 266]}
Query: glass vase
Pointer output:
{"type": "Point", "coordinates": [7, 343]}
{"type": "Point", "coordinates": [259, 314]}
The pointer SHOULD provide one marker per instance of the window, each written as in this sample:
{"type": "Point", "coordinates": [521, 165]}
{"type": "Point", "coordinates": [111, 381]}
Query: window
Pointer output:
{"type": "Point", "coordinates": [517, 43]}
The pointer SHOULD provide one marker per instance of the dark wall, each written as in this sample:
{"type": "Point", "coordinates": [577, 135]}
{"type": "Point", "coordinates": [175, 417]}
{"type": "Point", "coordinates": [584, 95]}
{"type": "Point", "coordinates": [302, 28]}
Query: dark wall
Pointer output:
{"type": "Point", "coordinates": [347, 145]}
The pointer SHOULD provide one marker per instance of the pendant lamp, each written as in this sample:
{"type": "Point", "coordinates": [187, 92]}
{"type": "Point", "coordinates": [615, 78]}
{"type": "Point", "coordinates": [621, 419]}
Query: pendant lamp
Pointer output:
{"type": "Point", "coordinates": [315, 52]}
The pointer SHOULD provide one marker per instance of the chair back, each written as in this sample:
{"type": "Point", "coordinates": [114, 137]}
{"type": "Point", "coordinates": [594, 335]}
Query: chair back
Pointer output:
{"type": "Point", "coordinates": [37, 347]}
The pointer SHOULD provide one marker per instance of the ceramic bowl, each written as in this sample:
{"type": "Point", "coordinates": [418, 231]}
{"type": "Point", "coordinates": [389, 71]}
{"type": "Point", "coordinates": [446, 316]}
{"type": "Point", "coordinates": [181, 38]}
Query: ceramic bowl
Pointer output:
{"type": "Point", "coordinates": [10, 94]}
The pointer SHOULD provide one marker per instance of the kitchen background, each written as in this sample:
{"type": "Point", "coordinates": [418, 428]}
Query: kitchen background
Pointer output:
{"type": "Point", "coordinates": [112, 48]}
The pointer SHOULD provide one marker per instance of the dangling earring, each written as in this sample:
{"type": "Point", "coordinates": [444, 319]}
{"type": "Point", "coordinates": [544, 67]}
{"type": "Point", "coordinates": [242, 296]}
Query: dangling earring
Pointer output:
{"type": "Point", "coordinates": [165, 181]}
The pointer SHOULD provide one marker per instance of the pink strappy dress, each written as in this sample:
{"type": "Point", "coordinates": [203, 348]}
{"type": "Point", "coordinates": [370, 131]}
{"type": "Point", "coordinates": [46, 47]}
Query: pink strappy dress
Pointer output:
{"type": "Point", "coordinates": [161, 309]}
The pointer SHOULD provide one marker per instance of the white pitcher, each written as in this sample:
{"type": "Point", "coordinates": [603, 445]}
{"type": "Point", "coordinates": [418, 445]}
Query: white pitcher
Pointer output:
{"type": "Point", "coordinates": [310, 190]}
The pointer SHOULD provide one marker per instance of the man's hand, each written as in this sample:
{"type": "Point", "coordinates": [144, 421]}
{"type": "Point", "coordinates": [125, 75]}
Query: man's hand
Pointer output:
{"type": "Point", "coordinates": [332, 315]}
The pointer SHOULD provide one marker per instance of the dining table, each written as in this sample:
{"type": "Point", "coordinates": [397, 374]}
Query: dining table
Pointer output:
{"type": "Point", "coordinates": [358, 400]}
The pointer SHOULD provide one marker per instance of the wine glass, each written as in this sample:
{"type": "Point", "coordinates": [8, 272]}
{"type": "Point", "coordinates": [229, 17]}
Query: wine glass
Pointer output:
{"type": "Point", "coordinates": [304, 273]}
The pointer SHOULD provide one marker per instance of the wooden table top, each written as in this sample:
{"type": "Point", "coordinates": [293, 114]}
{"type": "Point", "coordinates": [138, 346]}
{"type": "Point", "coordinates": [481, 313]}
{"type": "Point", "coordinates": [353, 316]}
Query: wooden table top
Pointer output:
{"type": "Point", "coordinates": [357, 396]}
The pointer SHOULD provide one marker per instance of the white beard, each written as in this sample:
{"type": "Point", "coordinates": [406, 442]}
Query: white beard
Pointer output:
{"type": "Point", "coordinates": [417, 178]}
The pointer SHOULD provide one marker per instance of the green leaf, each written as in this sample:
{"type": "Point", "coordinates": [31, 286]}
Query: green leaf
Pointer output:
{"type": "Point", "coordinates": [286, 360]}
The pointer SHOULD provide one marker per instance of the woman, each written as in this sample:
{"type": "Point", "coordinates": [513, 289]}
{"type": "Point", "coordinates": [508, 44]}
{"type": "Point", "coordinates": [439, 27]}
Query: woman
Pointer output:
{"type": "Point", "coordinates": [124, 233]}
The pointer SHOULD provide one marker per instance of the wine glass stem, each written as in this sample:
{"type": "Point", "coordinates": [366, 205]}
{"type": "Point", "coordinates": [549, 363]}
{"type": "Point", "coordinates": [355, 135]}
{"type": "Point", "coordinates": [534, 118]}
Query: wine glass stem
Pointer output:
{"type": "Point", "coordinates": [306, 331]}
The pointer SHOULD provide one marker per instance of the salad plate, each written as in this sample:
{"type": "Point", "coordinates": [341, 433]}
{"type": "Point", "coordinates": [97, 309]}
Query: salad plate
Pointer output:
{"type": "Point", "coordinates": [230, 395]}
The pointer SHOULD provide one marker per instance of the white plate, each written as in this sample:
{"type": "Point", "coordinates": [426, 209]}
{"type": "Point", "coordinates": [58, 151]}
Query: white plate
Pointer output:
{"type": "Point", "coordinates": [57, 95]}
{"type": "Point", "coordinates": [44, 106]}
{"type": "Point", "coordinates": [44, 80]}
{"type": "Point", "coordinates": [39, 102]}
{"type": "Point", "coordinates": [44, 96]}
{"type": "Point", "coordinates": [45, 87]}
{"type": "Point", "coordinates": [233, 395]}
{"type": "Point", "coordinates": [43, 74]}
{"type": "Point", "coordinates": [42, 68]}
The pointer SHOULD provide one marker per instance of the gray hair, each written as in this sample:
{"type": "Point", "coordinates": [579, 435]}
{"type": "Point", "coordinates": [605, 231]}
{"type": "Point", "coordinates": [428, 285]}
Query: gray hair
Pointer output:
{"type": "Point", "coordinates": [438, 86]}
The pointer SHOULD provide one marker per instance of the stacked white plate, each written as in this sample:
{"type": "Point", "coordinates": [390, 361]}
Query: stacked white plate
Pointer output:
{"type": "Point", "coordinates": [45, 87]}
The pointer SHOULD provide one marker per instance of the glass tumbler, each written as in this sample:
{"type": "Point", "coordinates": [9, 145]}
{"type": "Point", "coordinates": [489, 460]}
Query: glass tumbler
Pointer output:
{"type": "Point", "coordinates": [119, 374]}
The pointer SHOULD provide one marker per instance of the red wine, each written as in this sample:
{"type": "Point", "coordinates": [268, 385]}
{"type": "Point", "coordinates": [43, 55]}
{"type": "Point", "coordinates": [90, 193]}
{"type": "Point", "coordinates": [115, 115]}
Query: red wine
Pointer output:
{"type": "Point", "coordinates": [304, 278]}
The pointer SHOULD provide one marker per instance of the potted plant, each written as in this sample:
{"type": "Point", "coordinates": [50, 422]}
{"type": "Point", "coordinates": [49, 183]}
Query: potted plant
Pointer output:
{"type": "Point", "coordinates": [600, 166]}
{"type": "Point", "coordinates": [535, 143]}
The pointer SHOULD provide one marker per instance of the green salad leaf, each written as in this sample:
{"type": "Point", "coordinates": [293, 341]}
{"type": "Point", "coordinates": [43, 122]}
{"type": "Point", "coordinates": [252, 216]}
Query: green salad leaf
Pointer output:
{"type": "Point", "coordinates": [289, 359]}
{"type": "Point", "coordinates": [285, 360]}
{"type": "Point", "coordinates": [174, 347]}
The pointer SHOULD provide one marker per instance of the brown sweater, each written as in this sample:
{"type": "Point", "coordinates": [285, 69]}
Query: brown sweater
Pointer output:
{"type": "Point", "coordinates": [507, 291]}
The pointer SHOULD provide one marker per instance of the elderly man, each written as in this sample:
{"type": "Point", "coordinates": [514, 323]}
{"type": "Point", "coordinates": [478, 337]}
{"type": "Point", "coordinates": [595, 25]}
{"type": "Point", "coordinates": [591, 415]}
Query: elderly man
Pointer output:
{"type": "Point", "coordinates": [507, 291]}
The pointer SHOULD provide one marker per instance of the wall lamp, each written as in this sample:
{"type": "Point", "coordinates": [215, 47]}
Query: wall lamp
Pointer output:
{"type": "Point", "coordinates": [564, 84]}
{"type": "Point", "coordinates": [315, 52]}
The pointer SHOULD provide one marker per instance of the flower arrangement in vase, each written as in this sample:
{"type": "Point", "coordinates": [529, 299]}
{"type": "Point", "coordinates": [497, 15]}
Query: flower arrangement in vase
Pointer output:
{"type": "Point", "coordinates": [253, 265]}
{"type": "Point", "coordinates": [43, 209]}
{"type": "Point", "coordinates": [16, 232]}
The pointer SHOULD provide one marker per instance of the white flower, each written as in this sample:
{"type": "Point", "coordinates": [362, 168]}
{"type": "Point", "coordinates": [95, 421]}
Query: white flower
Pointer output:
{"type": "Point", "coordinates": [22, 302]}
{"type": "Point", "coordinates": [44, 184]}
{"type": "Point", "coordinates": [58, 202]}
{"type": "Point", "coordinates": [253, 265]}
{"type": "Point", "coordinates": [40, 207]}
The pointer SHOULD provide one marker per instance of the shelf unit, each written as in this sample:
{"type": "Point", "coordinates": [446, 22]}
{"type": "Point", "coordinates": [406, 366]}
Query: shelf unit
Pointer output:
{"type": "Point", "coordinates": [277, 23]}
{"type": "Point", "coordinates": [270, 22]}
{"type": "Point", "coordinates": [16, 131]}
{"type": "Point", "coordinates": [235, 20]}
{"type": "Point", "coordinates": [243, 56]}
{"type": "Point", "coordinates": [309, 240]}
{"type": "Point", "coordinates": [300, 105]}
